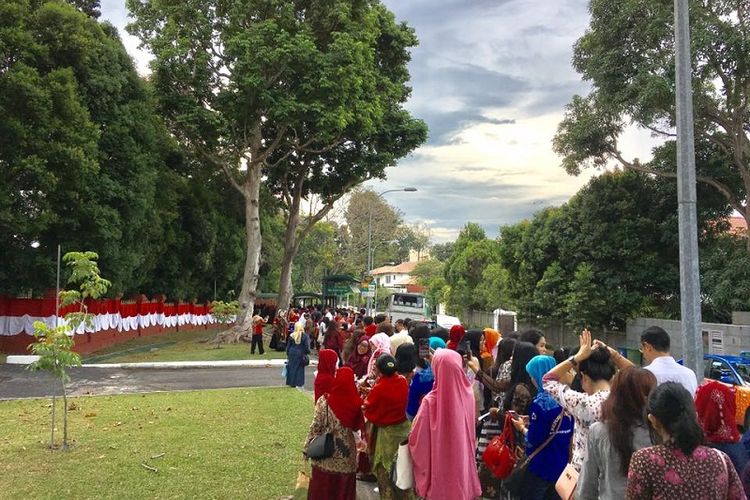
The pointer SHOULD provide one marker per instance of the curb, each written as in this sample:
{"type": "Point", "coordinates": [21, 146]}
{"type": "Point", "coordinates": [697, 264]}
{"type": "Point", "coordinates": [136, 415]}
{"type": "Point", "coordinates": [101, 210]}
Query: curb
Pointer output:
{"type": "Point", "coordinates": [178, 365]}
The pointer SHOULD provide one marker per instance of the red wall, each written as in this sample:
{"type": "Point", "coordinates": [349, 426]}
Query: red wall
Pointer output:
{"type": "Point", "coordinates": [92, 342]}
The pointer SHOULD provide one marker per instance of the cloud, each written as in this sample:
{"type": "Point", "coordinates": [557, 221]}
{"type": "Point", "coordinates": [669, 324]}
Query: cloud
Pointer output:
{"type": "Point", "coordinates": [116, 13]}
{"type": "Point", "coordinates": [491, 79]}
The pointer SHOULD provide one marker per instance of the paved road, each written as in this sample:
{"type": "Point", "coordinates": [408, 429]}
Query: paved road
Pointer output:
{"type": "Point", "coordinates": [16, 382]}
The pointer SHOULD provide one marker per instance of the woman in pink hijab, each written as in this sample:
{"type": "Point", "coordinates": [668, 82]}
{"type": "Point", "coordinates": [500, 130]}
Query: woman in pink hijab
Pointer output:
{"type": "Point", "coordinates": [380, 343]}
{"type": "Point", "coordinates": [442, 439]}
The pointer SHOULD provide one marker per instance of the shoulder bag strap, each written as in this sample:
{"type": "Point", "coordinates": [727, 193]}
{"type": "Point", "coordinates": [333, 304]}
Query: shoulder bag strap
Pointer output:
{"type": "Point", "coordinates": [555, 428]}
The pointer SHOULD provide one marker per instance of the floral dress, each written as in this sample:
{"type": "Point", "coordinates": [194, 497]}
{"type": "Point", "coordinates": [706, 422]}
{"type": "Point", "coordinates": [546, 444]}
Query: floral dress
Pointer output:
{"type": "Point", "coordinates": [585, 410]}
{"type": "Point", "coordinates": [666, 472]}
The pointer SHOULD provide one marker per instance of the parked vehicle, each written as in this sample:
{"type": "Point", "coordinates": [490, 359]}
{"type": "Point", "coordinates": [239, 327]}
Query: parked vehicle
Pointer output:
{"type": "Point", "coordinates": [734, 371]}
{"type": "Point", "coordinates": [408, 305]}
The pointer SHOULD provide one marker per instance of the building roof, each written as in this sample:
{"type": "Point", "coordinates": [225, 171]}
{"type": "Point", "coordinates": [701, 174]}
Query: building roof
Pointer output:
{"type": "Point", "coordinates": [737, 225]}
{"type": "Point", "coordinates": [403, 268]}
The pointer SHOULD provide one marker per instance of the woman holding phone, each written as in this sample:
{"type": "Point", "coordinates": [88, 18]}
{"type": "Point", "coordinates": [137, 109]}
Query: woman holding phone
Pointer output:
{"type": "Point", "coordinates": [422, 380]}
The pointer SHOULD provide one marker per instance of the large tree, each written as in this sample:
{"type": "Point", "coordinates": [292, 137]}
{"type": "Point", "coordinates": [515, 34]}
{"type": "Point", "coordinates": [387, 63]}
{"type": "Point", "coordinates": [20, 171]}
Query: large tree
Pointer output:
{"type": "Point", "coordinates": [380, 131]}
{"type": "Point", "coordinates": [240, 80]}
{"type": "Point", "coordinates": [82, 152]}
{"type": "Point", "coordinates": [391, 239]}
{"type": "Point", "coordinates": [606, 255]}
{"type": "Point", "coordinates": [628, 56]}
{"type": "Point", "coordinates": [471, 265]}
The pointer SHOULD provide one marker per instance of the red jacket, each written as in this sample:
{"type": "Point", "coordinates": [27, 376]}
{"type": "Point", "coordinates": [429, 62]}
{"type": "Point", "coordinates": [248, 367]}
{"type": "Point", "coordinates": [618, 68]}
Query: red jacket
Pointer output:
{"type": "Point", "coordinates": [386, 402]}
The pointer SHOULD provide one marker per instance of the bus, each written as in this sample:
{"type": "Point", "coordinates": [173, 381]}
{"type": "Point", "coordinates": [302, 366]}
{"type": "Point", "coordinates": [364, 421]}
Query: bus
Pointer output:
{"type": "Point", "coordinates": [408, 305]}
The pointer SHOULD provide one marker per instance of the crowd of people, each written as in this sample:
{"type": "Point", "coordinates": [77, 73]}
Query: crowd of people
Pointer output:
{"type": "Point", "coordinates": [490, 415]}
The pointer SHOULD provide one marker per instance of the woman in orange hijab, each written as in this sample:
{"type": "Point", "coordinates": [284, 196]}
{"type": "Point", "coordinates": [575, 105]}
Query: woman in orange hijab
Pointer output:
{"type": "Point", "coordinates": [491, 339]}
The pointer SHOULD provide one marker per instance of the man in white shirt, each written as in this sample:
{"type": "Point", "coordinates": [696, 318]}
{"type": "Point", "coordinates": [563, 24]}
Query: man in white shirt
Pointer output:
{"type": "Point", "coordinates": [655, 349]}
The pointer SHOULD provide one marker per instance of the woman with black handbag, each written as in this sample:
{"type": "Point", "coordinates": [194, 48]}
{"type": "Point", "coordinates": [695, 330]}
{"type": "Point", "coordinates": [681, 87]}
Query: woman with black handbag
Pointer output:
{"type": "Point", "coordinates": [548, 431]}
{"type": "Point", "coordinates": [338, 416]}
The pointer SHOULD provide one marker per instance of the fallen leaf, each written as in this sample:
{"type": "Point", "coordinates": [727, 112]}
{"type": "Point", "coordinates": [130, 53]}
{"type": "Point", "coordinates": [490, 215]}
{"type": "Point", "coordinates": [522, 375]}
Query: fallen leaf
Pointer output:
{"type": "Point", "coordinates": [90, 415]}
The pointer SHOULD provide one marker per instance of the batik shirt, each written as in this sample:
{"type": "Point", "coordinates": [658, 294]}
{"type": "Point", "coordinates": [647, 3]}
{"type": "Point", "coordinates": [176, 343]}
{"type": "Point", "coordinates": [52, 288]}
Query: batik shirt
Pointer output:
{"type": "Point", "coordinates": [666, 472]}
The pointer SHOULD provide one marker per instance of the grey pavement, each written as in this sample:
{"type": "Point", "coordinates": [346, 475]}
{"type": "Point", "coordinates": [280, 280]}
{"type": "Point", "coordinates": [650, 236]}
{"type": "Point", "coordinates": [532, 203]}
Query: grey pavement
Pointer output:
{"type": "Point", "coordinates": [17, 382]}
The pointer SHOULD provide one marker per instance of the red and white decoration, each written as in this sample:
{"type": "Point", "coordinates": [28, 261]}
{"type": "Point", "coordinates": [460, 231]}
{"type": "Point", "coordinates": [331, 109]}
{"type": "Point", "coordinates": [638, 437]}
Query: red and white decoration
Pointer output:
{"type": "Point", "coordinates": [17, 316]}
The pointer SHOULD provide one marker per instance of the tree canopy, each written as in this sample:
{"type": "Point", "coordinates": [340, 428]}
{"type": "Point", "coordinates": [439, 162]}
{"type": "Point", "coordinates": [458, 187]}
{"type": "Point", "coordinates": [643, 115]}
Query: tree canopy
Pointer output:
{"type": "Point", "coordinates": [86, 162]}
{"type": "Point", "coordinates": [628, 56]}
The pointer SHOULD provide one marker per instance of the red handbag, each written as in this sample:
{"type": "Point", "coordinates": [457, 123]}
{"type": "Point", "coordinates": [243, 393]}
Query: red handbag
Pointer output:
{"type": "Point", "coordinates": [501, 456]}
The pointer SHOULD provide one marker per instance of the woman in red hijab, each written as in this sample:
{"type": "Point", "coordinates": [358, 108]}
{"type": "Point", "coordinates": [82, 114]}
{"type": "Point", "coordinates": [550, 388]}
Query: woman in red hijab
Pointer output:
{"type": "Point", "coordinates": [456, 335]}
{"type": "Point", "coordinates": [360, 358]}
{"type": "Point", "coordinates": [327, 360]}
{"type": "Point", "coordinates": [339, 412]}
{"type": "Point", "coordinates": [385, 409]}
{"type": "Point", "coordinates": [716, 407]}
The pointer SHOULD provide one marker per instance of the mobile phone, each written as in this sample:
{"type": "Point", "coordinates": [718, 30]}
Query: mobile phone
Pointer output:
{"type": "Point", "coordinates": [424, 348]}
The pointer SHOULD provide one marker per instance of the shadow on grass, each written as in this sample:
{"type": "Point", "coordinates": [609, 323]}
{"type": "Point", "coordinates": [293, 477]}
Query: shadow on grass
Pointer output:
{"type": "Point", "coordinates": [178, 346]}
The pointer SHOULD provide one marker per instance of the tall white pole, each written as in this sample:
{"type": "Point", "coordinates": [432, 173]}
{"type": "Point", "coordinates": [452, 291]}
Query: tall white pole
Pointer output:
{"type": "Point", "coordinates": [690, 298]}
{"type": "Point", "coordinates": [57, 288]}
{"type": "Point", "coordinates": [369, 260]}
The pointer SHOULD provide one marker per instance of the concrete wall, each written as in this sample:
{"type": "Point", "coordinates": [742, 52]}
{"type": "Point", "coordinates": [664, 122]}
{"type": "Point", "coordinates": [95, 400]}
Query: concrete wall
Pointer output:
{"type": "Point", "coordinates": [559, 334]}
{"type": "Point", "coordinates": [741, 318]}
{"type": "Point", "coordinates": [719, 338]}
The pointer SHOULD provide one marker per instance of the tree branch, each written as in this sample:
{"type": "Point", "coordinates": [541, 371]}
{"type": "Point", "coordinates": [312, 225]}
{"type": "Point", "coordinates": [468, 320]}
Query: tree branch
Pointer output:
{"type": "Point", "coordinates": [657, 131]}
{"type": "Point", "coordinates": [719, 186]}
{"type": "Point", "coordinates": [216, 161]}
{"type": "Point", "coordinates": [305, 148]}
{"type": "Point", "coordinates": [272, 147]}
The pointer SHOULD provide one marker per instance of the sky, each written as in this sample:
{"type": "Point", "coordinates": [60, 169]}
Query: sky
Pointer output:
{"type": "Point", "coordinates": [491, 78]}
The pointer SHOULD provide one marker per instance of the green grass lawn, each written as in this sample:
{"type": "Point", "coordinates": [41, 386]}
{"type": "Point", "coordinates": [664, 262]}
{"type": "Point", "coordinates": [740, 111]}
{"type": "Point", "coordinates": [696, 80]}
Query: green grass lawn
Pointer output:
{"type": "Point", "coordinates": [180, 346]}
{"type": "Point", "coordinates": [3, 358]}
{"type": "Point", "coordinates": [233, 443]}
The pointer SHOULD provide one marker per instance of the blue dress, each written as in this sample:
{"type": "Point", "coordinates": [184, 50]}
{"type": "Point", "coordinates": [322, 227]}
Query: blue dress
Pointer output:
{"type": "Point", "coordinates": [295, 368]}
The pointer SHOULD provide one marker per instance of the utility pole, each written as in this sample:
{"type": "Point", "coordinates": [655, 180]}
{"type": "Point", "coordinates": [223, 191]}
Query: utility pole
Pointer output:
{"type": "Point", "coordinates": [57, 287]}
{"type": "Point", "coordinates": [370, 256]}
{"type": "Point", "coordinates": [690, 298]}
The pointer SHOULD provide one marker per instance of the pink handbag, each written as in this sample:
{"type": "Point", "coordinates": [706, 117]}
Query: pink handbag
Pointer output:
{"type": "Point", "coordinates": [567, 482]}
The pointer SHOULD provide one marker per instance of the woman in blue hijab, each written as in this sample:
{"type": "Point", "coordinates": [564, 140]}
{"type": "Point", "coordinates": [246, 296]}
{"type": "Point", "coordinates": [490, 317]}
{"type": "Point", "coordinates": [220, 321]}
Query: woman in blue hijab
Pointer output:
{"type": "Point", "coordinates": [422, 381]}
{"type": "Point", "coordinates": [546, 418]}
{"type": "Point", "coordinates": [437, 343]}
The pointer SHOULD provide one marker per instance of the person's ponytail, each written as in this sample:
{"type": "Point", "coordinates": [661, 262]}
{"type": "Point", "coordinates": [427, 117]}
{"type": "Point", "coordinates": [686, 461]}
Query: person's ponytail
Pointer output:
{"type": "Point", "coordinates": [673, 406]}
{"type": "Point", "coordinates": [685, 430]}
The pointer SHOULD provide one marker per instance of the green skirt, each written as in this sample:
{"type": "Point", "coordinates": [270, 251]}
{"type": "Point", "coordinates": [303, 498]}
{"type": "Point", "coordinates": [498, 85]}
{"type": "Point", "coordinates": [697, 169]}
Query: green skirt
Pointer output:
{"type": "Point", "coordinates": [387, 439]}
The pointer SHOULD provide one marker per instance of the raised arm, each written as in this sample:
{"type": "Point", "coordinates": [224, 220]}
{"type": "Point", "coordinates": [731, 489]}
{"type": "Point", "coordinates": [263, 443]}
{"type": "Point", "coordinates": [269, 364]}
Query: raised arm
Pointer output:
{"type": "Point", "coordinates": [486, 379]}
{"type": "Point", "coordinates": [561, 371]}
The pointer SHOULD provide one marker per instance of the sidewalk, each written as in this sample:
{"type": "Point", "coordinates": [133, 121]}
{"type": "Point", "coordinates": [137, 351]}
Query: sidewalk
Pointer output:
{"type": "Point", "coordinates": [158, 365]}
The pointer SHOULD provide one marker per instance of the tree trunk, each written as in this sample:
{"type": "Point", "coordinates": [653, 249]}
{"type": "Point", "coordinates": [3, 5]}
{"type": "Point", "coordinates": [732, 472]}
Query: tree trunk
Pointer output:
{"type": "Point", "coordinates": [291, 246]}
{"type": "Point", "coordinates": [249, 291]}
{"type": "Point", "coordinates": [65, 416]}
{"type": "Point", "coordinates": [52, 425]}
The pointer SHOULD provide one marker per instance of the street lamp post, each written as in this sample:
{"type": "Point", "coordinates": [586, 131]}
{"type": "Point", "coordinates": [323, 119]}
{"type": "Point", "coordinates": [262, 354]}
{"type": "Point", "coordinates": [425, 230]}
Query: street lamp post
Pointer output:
{"type": "Point", "coordinates": [690, 300]}
{"type": "Point", "coordinates": [370, 257]}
